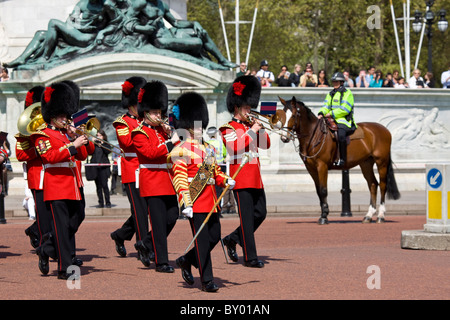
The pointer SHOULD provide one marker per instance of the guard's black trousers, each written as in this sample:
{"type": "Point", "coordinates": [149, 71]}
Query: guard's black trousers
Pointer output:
{"type": "Point", "coordinates": [64, 225]}
{"type": "Point", "coordinates": [200, 255]}
{"type": "Point", "coordinates": [251, 205]}
{"type": "Point", "coordinates": [43, 223]}
{"type": "Point", "coordinates": [163, 213]}
{"type": "Point", "coordinates": [138, 221]}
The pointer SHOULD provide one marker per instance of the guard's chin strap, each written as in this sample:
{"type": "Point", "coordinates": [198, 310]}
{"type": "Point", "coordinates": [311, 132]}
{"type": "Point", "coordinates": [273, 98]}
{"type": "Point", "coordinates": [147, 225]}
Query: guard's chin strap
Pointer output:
{"type": "Point", "coordinates": [246, 118]}
{"type": "Point", "coordinates": [152, 121]}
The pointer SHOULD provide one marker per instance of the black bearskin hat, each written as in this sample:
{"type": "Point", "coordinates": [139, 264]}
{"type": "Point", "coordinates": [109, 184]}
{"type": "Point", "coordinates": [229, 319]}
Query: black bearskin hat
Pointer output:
{"type": "Point", "coordinates": [189, 108]}
{"type": "Point", "coordinates": [130, 91]}
{"type": "Point", "coordinates": [245, 90]}
{"type": "Point", "coordinates": [58, 99]}
{"type": "Point", "coordinates": [76, 91]}
{"type": "Point", "coordinates": [152, 96]}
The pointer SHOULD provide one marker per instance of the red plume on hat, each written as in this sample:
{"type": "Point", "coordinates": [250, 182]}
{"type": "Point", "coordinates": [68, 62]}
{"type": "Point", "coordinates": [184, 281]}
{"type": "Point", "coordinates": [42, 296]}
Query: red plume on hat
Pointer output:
{"type": "Point", "coordinates": [48, 94]}
{"type": "Point", "coordinates": [238, 88]}
{"type": "Point", "coordinates": [141, 95]}
{"type": "Point", "coordinates": [127, 87]}
{"type": "Point", "coordinates": [29, 99]}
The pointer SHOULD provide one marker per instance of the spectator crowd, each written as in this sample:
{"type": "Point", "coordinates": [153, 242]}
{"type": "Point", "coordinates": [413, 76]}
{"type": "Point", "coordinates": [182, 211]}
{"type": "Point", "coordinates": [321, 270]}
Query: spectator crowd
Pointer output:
{"type": "Point", "coordinates": [367, 78]}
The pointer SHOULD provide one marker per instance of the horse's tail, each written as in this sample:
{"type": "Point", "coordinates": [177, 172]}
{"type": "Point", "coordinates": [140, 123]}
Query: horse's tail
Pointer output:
{"type": "Point", "coordinates": [391, 187]}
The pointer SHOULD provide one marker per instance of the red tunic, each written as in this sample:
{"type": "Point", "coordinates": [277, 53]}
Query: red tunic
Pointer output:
{"type": "Point", "coordinates": [186, 160]}
{"type": "Point", "coordinates": [152, 152]}
{"type": "Point", "coordinates": [124, 125]}
{"type": "Point", "coordinates": [238, 139]}
{"type": "Point", "coordinates": [62, 180]}
{"type": "Point", "coordinates": [26, 152]}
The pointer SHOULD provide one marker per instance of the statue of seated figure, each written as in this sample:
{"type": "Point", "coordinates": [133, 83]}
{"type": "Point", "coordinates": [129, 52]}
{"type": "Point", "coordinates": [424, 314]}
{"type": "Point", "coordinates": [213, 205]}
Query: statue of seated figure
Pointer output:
{"type": "Point", "coordinates": [80, 29]}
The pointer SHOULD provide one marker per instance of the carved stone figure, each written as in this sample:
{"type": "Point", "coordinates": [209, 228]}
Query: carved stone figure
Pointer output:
{"type": "Point", "coordinates": [79, 30]}
{"type": "Point", "coordinates": [115, 26]}
{"type": "Point", "coordinates": [417, 128]}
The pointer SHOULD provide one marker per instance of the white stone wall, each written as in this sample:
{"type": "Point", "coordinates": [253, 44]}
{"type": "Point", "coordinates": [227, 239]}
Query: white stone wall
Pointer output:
{"type": "Point", "coordinates": [20, 19]}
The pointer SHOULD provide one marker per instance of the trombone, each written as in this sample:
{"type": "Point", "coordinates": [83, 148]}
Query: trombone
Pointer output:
{"type": "Point", "coordinates": [274, 123]}
{"type": "Point", "coordinates": [90, 129]}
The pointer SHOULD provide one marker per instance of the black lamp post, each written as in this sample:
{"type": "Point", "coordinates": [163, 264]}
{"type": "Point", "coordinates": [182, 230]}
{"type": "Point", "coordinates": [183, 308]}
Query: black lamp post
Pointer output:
{"type": "Point", "coordinates": [429, 19]}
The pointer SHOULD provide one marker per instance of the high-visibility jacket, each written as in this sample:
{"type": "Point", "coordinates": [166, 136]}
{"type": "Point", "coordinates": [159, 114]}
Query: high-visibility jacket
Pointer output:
{"type": "Point", "coordinates": [340, 106]}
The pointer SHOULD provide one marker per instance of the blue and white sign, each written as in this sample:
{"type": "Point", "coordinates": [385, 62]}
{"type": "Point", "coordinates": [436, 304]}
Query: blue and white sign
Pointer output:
{"type": "Point", "coordinates": [434, 178]}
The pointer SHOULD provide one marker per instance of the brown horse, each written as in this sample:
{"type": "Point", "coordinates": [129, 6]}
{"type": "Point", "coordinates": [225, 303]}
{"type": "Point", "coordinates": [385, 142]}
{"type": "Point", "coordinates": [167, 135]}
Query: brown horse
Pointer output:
{"type": "Point", "coordinates": [318, 149]}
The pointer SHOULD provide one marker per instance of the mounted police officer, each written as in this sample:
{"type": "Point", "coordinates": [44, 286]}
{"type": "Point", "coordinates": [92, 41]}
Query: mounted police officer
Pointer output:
{"type": "Point", "coordinates": [339, 106]}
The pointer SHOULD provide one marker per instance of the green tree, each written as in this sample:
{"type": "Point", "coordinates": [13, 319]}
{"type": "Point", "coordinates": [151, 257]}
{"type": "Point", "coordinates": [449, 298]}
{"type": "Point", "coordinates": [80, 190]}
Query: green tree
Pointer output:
{"type": "Point", "coordinates": [333, 35]}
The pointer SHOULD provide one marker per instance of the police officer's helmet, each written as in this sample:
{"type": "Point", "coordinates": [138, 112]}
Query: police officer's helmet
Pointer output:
{"type": "Point", "coordinates": [338, 76]}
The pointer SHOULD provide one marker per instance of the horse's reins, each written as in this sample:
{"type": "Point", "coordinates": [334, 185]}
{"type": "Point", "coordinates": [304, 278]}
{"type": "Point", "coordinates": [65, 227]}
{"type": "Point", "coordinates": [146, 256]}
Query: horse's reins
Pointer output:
{"type": "Point", "coordinates": [305, 156]}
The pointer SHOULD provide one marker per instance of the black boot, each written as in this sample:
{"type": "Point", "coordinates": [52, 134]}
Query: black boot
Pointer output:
{"type": "Point", "coordinates": [342, 146]}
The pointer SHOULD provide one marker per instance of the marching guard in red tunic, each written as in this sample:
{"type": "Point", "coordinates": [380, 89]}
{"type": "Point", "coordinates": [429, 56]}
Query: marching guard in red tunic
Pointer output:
{"type": "Point", "coordinates": [90, 148]}
{"type": "Point", "coordinates": [153, 143]}
{"type": "Point", "coordinates": [137, 223]}
{"type": "Point", "coordinates": [27, 153]}
{"type": "Point", "coordinates": [195, 172]}
{"type": "Point", "coordinates": [60, 178]}
{"type": "Point", "coordinates": [241, 135]}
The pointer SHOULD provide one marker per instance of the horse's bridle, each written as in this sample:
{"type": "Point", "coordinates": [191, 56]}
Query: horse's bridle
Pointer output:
{"type": "Point", "coordinates": [293, 132]}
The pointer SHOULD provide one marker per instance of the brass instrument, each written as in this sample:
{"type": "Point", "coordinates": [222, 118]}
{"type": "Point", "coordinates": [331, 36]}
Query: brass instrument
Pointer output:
{"type": "Point", "coordinates": [90, 129]}
{"type": "Point", "coordinates": [30, 119]}
{"type": "Point", "coordinates": [273, 123]}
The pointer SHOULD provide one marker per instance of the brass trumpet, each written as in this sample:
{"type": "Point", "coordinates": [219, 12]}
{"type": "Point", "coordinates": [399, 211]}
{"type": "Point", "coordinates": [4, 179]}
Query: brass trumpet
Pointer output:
{"type": "Point", "coordinates": [90, 130]}
{"type": "Point", "coordinates": [273, 123]}
{"type": "Point", "coordinates": [30, 119]}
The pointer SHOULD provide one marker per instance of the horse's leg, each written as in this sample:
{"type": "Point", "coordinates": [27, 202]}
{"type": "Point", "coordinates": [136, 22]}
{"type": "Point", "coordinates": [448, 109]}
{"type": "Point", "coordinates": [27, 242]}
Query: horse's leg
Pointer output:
{"type": "Point", "coordinates": [382, 171]}
{"type": "Point", "coordinates": [320, 177]}
{"type": "Point", "coordinates": [367, 171]}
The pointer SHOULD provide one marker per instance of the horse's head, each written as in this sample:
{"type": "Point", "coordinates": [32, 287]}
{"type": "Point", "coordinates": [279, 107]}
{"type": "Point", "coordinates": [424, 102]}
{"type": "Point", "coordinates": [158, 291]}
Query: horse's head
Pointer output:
{"type": "Point", "coordinates": [292, 109]}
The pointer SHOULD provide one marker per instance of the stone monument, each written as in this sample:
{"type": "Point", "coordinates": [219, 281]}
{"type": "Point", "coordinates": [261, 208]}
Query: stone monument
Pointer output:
{"type": "Point", "coordinates": [98, 27]}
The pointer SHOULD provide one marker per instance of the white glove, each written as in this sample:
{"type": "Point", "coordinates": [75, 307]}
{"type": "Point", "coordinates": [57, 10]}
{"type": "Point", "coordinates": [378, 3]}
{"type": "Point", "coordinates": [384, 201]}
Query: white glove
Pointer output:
{"type": "Point", "coordinates": [231, 183]}
{"type": "Point", "coordinates": [188, 212]}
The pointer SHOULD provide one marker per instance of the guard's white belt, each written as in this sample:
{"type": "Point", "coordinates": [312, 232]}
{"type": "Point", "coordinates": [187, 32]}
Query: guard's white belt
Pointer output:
{"type": "Point", "coordinates": [156, 166]}
{"type": "Point", "coordinates": [130, 155]}
{"type": "Point", "coordinates": [60, 165]}
{"type": "Point", "coordinates": [239, 156]}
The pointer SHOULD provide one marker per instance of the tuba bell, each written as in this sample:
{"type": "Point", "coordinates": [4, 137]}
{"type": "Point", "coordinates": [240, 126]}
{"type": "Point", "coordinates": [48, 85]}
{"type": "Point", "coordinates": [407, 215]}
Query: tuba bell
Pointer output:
{"type": "Point", "coordinates": [30, 119]}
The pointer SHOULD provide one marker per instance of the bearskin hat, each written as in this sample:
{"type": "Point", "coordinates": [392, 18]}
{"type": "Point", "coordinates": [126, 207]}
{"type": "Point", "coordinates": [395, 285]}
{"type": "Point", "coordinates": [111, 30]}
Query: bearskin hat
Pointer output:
{"type": "Point", "coordinates": [153, 95]}
{"type": "Point", "coordinates": [130, 91]}
{"type": "Point", "coordinates": [245, 90]}
{"type": "Point", "coordinates": [58, 99]}
{"type": "Point", "coordinates": [34, 95]}
{"type": "Point", "coordinates": [189, 108]}
{"type": "Point", "coordinates": [76, 91]}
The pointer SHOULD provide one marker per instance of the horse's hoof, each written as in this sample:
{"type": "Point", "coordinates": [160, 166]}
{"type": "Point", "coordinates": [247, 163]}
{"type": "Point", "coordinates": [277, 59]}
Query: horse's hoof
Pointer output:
{"type": "Point", "coordinates": [381, 220]}
{"type": "Point", "coordinates": [367, 220]}
{"type": "Point", "coordinates": [322, 221]}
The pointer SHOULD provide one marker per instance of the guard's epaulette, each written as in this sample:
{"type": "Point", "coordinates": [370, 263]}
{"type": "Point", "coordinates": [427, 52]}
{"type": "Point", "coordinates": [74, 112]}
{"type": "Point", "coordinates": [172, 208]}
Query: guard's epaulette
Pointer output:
{"type": "Point", "coordinates": [141, 130]}
{"type": "Point", "coordinates": [21, 136]}
{"type": "Point", "coordinates": [40, 132]}
{"type": "Point", "coordinates": [120, 120]}
{"type": "Point", "coordinates": [228, 126]}
{"type": "Point", "coordinates": [178, 151]}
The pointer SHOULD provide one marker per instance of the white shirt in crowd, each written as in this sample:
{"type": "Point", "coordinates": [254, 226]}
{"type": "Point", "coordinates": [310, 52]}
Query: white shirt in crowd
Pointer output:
{"type": "Point", "coordinates": [412, 82]}
{"type": "Point", "coordinates": [445, 79]}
